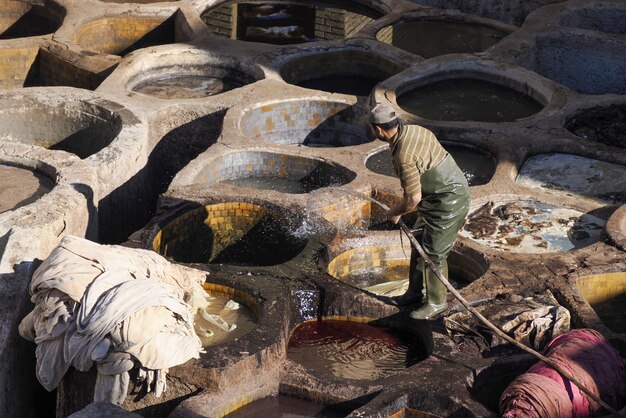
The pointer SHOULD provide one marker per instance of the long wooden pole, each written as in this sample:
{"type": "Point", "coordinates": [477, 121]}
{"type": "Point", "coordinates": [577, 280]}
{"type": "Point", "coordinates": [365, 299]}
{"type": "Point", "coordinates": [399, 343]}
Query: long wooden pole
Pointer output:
{"type": "Point", "coordinates": [478, 315]}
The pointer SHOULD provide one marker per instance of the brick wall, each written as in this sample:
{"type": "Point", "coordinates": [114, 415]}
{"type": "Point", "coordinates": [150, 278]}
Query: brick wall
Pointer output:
{"type": "Point", "coordinates": [329, 24]}
{"type": "Point", "coordinates": [221, 20]}
{"type": "Point", "coordinates": [15, 65]}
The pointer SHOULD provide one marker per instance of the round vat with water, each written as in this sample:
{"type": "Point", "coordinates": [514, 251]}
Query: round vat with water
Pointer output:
{"type": "Point", "coordinates": [354, 350]}
{"type": "Point", "coordinates": [229, 315]}
{"type": "Point", "coordinates": [606, 293]}
{"type": "Point", "coordinates": [311, 122]}
{"type": "Point", "coordinates": [531, 226]}
{"type": "Point", "coordinates": [78, 127]}
{"type": "Point", "coordinates": [477, 165]}
{"type": "Point", "coordinates": [235, 233]}
{"type": "Point", "coordinates": [21, 186]}
{"type": "Point", "coordinates": [575, 176]}
{"type": "Point", "coordinates": [430, 37]}
{"type": "Point", "coordinates": [384, 270]}
{"type": "Point", "coordinates": [288, 22]}
{"type": "Point", "coordinates": [272, 171]}
{"type": "Point", "coordinates": [467, 99]}
{"type": "Point", "coordinates": [605, 125]}
{"type": "Point", "coordinates": [347, 72]}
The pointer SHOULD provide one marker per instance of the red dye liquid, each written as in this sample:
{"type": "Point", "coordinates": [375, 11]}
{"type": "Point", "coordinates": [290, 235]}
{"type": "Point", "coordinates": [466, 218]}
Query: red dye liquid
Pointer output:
{"type": "Point", "coordinates": [353, 350]}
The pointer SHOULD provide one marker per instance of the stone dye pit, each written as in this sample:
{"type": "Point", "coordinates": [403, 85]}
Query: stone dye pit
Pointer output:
{"type": "Point", "coordinates": [231, 137]}
{"type": "Point", "coordinates": [384, 270]}
{"type": "Point", "coordinates": [312, 123]}
{"type": "Point", "coordinates": [236, 233]}
{"type": "Point", "coordinates": [288, 22]}
{"type": "Point", "coordinates": [532, 227]}
{"type": "Point", "coordinates": [477, 165]}
{"type": "Point", "coordinates": [283, 406]}
{"type": "Point", "coordinates": [346, 72]}
{"type": "Point", "coordinates": [354, 350]}
{"type": "Point", "coordinates": [272, 171]}
{"type": "Point", "coordinates": [571, 175]}
{"type": "Point", "coordinates": [20, 187]}
{"type": "Point", "coordinates": [468, 99]}
{"type": "Point", "coordinates": [431, 38]}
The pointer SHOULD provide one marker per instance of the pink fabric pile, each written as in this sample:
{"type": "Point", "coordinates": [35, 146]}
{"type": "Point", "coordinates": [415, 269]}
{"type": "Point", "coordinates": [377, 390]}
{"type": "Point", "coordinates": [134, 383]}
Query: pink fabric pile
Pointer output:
{"type": "Point", "coordinates": [543, 392]}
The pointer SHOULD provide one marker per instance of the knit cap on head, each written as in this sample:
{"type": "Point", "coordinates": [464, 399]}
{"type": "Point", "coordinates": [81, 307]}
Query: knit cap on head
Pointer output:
{"type": "Point", "coordinates": [382, 113]}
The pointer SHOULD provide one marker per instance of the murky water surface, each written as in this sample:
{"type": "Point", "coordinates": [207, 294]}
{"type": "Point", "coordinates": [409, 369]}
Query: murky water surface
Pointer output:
{"type": "Point", "coordinates": [430, 38]}
{"type": "Point", "coordinates": [356, 85]}
{"type": "Point", "coordinates": [284, 185]}
{"type": "Point", "coordinates": [353, 350]}
{"type": "Point", "coordinates": [477, 167]}
{"type": "Point", "coordinates": [185, 87]}
{"type": "Point", "coordinates": [532, 227]}
{"type": "Point", "coordinates": [20, 187]}
{"type": "Point", "coordinates": [283, 406]}
{"type": "Point", "coordinates": [468, 99]}
{"type": "Point", "coordinates": [213, 331]}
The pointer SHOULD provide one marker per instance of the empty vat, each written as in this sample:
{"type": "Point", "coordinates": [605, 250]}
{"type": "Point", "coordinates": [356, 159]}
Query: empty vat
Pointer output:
{"type": "Point", "coordinates": [21, 186]}
{"type": "Point", "coordinates": [602, 124]}
{"type": "Point", "coordinates": [468, 99]}
{"type": "Point", "coordinates": [384, 270]}
{"type": "Point", "coordinates": [78, 127]}
{"type": "Point", "coordinates": [122, 35]}
{"type": "Point", "coordinates": [272, 171]}
{"type": "Point", "coordinates": [19, 19]}
{"type": "Point", "coordinates": [236, 233]}
{"type": "Point", "coordinates": [347, 72]}
{"type": "Point", "coordinates": [430, 38]}
{"type": "Point", "coordinates": [313, 123]}
{"type": "Point", "coordinates": [606, 293]}
{"type": "Point", "coordinates": [228, 316]}
{"type": "Point", "coordinates": [477, 165]}
{"type": "Point", "coordinates": [530, 226]}
{"type": "Point", "coordinates": [288, 22]}
{"type": "Point", "coordinates": [575, 176]}
{"type": "Point", "coordinates": [346, 349]}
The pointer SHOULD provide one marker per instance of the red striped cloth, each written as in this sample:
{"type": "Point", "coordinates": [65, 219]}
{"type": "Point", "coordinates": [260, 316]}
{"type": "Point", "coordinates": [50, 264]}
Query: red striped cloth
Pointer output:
{"type": "Point", "coordinates": [543, 392]}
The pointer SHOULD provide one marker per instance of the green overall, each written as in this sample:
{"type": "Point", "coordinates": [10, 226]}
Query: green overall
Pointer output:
{"type": "Point", "coordinates": [442, 211]}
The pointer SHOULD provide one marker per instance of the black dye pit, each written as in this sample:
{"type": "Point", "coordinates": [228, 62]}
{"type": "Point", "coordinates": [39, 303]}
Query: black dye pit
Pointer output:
{"type": "Point", "coordinates": [430, 38]}
{"type": "Point", "coordinates": [283, 406]}
{"type": "Point", "coordinates": [468, 99]}
{"type": "Point", "coordinates": [269, 242]}
{"type": "Point", "coordinates": [285, 185]}
{"type": "Point", "coordinates": [606, 125]}
{"type": "Point", "coordinates": [185, 87]}
{"type": "Point", "coordinates": [478, 167]}
{"type": "Point", "coordinates": [355, 85]}
{"type": "Point", "coordinates": [354, 350]}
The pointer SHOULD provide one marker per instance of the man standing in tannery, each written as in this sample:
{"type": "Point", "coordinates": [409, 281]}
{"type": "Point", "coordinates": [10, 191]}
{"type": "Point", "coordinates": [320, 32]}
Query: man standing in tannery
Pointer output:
{"type": "Point", "coordinates": [434, 185]}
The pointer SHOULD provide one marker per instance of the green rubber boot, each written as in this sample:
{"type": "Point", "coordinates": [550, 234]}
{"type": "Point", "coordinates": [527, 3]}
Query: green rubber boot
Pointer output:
{"type": "Point", "coordinates": [415, 292]}
{"type": "Point", "coordinates": [436, 295]}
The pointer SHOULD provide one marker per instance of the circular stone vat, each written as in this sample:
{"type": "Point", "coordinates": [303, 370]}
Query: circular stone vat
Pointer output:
{"type": "Point", "coordinates": [227, 307]}
{"type": "Point", "coordinates": [606, 125]}
{"type": "Point", "coordinates": [235, 233]}
{"type": "Point", "coordinates": [468, 99]}
{"type": "Point", "coordinates": [122, 35]}
{"type": "Point", "coordinates": [271, 171]}
{"type": "Point", "coordinates": [354, 350]}
{"type": "Point", "coordinates": [189, 82]}
{"type": "Point", "coordinates": [77, 127]}
{"type": "Point", "coordinates": [571, 175]}
{"type": "Point", "coordinates": [284, 406]}
{"type": "Point", "coordinates": [430, 38]}
{"type": "Point", "coordinates": [477, 165]}
{"type": "Point", "coordinates": [288, 22]}
{"type": "Point", "coordinates": [606, 293]}
{"type": "Point", "coordinates": [20, 187]}
{"type": "Point", "coordinates": [601, 19]}
{"type": "Point", "coordinates": [384, 270]}
{"type": "Point", "coordinates": [20, 19]}
{"type": "Point", "coordinates": [313, 123]}
{"type": "Point", "coordinates": [346, 72]}
{"type": "Point", "coordinates": [530, 226]}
